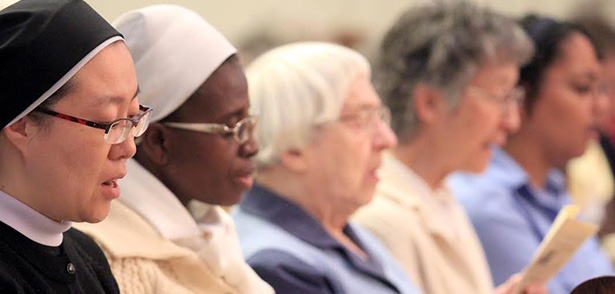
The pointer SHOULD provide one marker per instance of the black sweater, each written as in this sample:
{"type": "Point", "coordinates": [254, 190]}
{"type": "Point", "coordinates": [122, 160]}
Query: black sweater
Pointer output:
{"type": "Point", "coordinates": [76, 266]}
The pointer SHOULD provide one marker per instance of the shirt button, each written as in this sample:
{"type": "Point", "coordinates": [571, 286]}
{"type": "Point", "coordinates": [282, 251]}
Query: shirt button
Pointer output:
{"type": "Point", "coordinates": [70, 268]}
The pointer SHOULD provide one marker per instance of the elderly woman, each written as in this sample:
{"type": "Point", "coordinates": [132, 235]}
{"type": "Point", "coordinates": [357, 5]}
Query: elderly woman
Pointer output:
{"type": "Point", "coordinates": [322, 131]}
{"type": "Point", "coordinates": [449, 73]}
{"type": "Point", "coordinates": [198, 148]}
{"type": "Point", "coordinates": [68, 110]}
{"type": "Point", "coordinates": [513, 204]}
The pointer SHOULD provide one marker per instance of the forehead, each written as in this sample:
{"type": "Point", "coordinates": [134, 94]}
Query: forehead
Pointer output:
{"type": "Point", "coordinates": [224, 92]}
{"type": "Point", "coordinates": [108, 78]}
{"type": "Point", "coordinates": [496, 73]}
{"type": "Point", "coordinates": [361, 94]}
{"type": "Point", "coordinates": [578, 56]}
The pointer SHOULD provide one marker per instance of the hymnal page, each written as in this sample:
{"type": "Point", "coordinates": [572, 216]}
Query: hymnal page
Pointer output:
{"type": "Point", "coordinates": [559, 245]}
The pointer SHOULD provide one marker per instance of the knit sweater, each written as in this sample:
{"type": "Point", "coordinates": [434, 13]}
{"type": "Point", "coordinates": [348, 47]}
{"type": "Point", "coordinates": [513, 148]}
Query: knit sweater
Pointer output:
{"type": "Point", "coordinates": [144, 262]}
{"type": "Point", "coordinates": [76, 266]}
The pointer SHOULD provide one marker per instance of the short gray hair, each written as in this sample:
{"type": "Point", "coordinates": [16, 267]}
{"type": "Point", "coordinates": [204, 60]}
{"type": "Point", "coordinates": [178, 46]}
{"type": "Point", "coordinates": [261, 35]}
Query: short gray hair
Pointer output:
{"type": "Point", "coordinates": [296, 88]}
{"type": "Point", "coordinates": [442, 44]}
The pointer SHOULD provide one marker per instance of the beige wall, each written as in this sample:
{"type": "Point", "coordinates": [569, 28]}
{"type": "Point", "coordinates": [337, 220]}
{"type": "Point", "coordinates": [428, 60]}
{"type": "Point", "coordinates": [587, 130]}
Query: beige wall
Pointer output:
{"type": "Point", "coordinates": [236, 18]}
{"type": "Point", "coordinates": [310, 19]}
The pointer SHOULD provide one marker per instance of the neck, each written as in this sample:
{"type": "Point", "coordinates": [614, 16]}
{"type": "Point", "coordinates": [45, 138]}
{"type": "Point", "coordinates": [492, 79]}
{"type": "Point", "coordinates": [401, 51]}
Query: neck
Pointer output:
{"type": "Point", "coordinates": [160, 172]}
{"type": "Point", "coordinates": [529, 155]}
{"type": "Point", "coordinates": [295, 188]}
{"type": "Point", "coordinates": [13, 176]}
{"type": "Point", "coordinates": [424, 160]}
{"type": "Point", "coordinates": [333, 215]}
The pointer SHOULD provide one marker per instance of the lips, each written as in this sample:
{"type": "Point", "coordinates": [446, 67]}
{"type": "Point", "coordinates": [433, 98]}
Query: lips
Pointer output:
{"type": "Point", "coordinates": [244, 176]}
{"type": "Point", "coordinates": [110, 187]}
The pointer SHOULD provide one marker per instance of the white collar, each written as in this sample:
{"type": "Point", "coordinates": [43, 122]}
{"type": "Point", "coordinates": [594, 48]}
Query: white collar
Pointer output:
{"type": "Point", "coordinates": [210, 233]}
{"type": "Point", "coordinates": [143, 193]}
{"type": "Point", "coordinates": [438, 196]}
{"type": "Point", "coordinates": [31, 223]}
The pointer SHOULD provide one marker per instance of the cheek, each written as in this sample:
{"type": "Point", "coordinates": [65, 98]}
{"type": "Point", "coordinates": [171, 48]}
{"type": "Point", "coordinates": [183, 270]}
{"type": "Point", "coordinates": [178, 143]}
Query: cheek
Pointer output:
{"type": "Point", "coordinates": [566, 118]}
{"type": "Point", "coordinates": [356, 157]}
{"type": "Point", "coordinates": [204, 166]}
{"type": "Point", "coordinates": [68, 172]}
{"type": "Point", "coordinates": [563, 125]}
{"type": "Point", "coordinates": [478, 126]}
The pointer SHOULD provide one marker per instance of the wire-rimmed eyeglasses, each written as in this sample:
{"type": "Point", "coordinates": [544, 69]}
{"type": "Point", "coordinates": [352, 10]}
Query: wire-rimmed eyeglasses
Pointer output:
{"type": "Point", "coordinates": [241, 132]}
{"type": "Point", "coordinates": [116, 131]}
{"type": "Point", "coordinates": [514, 97]}
{"type": "Point", "coordinates": [367, 118]}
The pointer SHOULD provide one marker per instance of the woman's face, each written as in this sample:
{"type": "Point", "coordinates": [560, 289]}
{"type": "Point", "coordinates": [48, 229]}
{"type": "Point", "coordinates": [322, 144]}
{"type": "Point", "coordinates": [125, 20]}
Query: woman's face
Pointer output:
{"type": "Point", "coordinates": [346, 153]}
{"type": "Point", "coordinates": [565, 114]}
{"type": "Point", "coordinates": [485, 115]}
{"type": "Point", "coordinates": [72, 169]}
{"type": "Point", "coordinates": [209, 167]}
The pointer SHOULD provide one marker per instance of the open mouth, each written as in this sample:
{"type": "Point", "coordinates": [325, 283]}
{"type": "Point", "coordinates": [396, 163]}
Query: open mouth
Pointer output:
{"type": "Point", "coordinates": [111, 183]}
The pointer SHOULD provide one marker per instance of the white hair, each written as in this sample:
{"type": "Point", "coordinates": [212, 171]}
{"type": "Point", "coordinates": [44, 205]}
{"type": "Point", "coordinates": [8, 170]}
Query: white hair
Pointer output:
{"type": "Point", "coordinates": [297, 87]}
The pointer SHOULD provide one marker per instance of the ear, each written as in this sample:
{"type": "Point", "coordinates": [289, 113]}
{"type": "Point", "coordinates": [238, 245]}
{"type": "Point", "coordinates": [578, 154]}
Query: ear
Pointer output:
{"type": "Point", "coordinates": [294, 159]}
{"type": "Point", "coordinates": [21, 132]}
{"type": "Point", "coordinates": [156, 144]}
{"type": "Point", "coordinates": [428, 102]}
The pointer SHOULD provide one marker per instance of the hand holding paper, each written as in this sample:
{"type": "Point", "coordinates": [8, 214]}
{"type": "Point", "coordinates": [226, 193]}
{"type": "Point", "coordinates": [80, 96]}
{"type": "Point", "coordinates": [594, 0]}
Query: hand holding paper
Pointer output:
{"type": "Point", "coordinates": [561, 242]}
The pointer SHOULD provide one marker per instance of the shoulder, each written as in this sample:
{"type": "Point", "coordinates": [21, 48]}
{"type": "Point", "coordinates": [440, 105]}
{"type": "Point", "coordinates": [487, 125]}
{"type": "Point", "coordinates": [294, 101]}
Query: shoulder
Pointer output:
{"type": "Point", "coordinates": [125, 234]}
{"type": "Point", "coordinates": [383, 213]}
{"type": "Point", "coordinates": [8, 282]}
{"type": "Point", "coordinates": [481, 196]}
{"type": "Point", "coordinates": [276, 259]}
{"type": "Point", "coordinates": [85, 246]}
{"type": "Point", "coordinates": [287, 273]}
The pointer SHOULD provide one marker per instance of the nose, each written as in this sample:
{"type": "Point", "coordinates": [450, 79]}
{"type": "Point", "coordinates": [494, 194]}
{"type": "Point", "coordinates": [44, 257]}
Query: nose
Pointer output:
{"type": "Point", "coordinates": [123, 150]}
{"type": "Point", "coordinates": [511, 120]}
{"type": "Point", "coordinates": [384, 137]}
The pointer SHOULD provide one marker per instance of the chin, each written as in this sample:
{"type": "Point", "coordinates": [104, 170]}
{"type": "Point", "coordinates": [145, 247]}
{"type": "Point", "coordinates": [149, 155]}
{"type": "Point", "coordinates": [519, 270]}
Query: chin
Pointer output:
{"type": "Point", "coordinates": [224, 199]}
{"type": "Point", "coordinates": [367, 196]}
{"type": "Point", "coordinates": [96, 216]}
{"type": "Point", "coordinates": [476, 167]}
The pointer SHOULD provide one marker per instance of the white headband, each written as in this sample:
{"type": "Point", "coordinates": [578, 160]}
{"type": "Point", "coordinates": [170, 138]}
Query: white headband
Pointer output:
{"type": "Point", "coordinates": [174, 51]}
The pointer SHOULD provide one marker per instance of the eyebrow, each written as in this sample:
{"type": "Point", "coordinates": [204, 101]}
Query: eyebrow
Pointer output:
{"type": "Point", "coordinates": [362, 107]}
{"type": "Point", "coordinates": [116, 99]}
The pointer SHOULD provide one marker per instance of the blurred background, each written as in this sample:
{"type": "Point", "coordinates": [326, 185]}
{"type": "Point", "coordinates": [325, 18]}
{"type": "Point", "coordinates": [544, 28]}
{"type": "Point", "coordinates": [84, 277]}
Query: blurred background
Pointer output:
{"type": "Point", "coordinates": [256, 25]}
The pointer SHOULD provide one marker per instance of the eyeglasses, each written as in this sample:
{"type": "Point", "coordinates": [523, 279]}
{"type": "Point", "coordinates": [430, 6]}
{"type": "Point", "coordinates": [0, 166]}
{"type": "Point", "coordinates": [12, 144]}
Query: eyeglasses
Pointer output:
{"type": "Point", "coordinates": [515, 96]}
{"type": "Point", "coordinates": [116, 131]}
{"type": "Point", "coordinates": [368, 118]}
{"type": "Point", "coordinates": [241, 132]}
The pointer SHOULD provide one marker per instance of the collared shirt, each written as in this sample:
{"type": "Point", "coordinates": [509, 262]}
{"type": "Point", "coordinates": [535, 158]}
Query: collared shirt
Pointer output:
{"type": "Point", "coordinates": [30, 222]}
{"type": "Point", "coordinates": [438, 204]}
{"type": "Point", "coordinates": [512, 217]}
{"type": "Point", "coordinates": [280, 268]}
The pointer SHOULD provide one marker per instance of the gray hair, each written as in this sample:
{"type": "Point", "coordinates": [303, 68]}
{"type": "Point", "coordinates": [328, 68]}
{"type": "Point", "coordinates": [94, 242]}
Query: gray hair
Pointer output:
{"type": "Point", "coordinates": [442, 44]}
{"type": "Point", "coordinates": [296, 88]}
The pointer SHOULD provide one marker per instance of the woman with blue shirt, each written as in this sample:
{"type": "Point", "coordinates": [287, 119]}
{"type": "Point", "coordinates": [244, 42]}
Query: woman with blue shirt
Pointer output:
{"type": "Point", "coordinates": [513, 204]}
{"type": "Point", "coordinates": [321, 134]}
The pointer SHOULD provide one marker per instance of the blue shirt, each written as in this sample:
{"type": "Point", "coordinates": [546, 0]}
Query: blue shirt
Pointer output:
{"type": "Point", "coordinates": [291, 250]}
{"type": "Point", "coordinates": [511, 217]}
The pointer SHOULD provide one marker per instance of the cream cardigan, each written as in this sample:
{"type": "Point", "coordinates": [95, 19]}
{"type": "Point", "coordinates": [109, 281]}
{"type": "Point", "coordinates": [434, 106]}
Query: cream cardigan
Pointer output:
{"type": "Point", "coordinates": [143, 262]}
{"type": "Point", "coordinates": [441, 253]}
{"type": "Point", "coordinates": [155, 246]}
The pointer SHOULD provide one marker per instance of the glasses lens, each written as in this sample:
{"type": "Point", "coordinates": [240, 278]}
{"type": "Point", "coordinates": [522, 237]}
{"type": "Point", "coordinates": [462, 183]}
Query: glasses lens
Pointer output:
{"type": "Point", "coordinates": [518, 95]}
{"type": "Point", "coordinates": [118, 131]}
{"type": "Point", "coordinates": [141, 127]}
{"type": "Point", "coordinates": [385, 115]}
{"type": "Point", "coordinates": [244, 129]}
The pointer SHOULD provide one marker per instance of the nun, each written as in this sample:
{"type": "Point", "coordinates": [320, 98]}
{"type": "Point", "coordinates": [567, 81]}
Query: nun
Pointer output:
{"type": "Point", "coordinates": [68, 111]}
{"type": "Point", "coordinates": [168, 233]}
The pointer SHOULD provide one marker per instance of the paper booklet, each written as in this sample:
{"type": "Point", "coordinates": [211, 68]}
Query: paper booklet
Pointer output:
{"type": "Point", "coordinates": [566, 235]}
